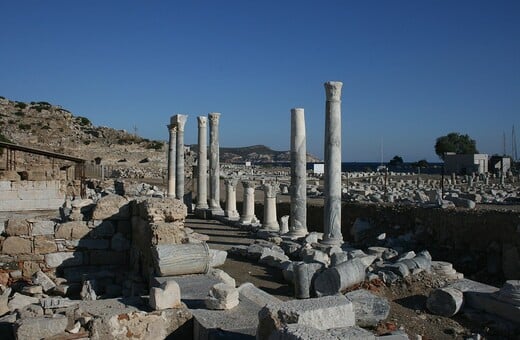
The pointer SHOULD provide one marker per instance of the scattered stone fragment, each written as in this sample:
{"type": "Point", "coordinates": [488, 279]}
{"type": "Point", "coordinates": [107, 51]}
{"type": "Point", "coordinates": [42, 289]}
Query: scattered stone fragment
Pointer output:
{"type": "Point", "coordinates": [40, 327]}
{"type": "Point", "coordinates": [445, 301]}
{"type": "Point", "coordinates": [222, 297]}
{"type": "Point", "coordinates": [304, 275]}
{"type": "Point", "coordinates": [40, 278]}
{"type": "Point", "coordinates": [19, 301]}
{"type": "Point", "coordinates": [168, 295]}
{"type": "Point", "coordinates": [4, 299]}
{"type": "Point", "coordinates": [217, 258]}
{"type": "Point", "coordinates": [88, 292]}
{"type": "Point", "coordinates": [32, 290]}
{"type": "Point", "coordinates": [369, 308]}
{"type": "Point", "coordinates": [342, 276]}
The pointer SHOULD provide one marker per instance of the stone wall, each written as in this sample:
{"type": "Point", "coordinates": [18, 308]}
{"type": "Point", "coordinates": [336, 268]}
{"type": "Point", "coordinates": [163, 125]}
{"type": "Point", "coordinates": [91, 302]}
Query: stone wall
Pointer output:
{"type": "Point", "coordinates": [31, 195]}
{"type": "Point", "coordinates": [483, 242]}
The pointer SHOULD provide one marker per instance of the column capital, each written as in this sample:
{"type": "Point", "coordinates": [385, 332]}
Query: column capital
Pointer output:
{"type": "Point", "coordinates": [172, 127]}
{"type": "Point", "coordinates": [333, 90]}
{"type": "Point", "coordinates": [214, 118]}
{"type": "Point", "coordinates": [295, 110]}
{"type": "Point", "coordinates": [202, 120]}
{"type": "Point", "coordinates": [248, 184]}
{"type": "Point", "coordinates": [231, 181]}
{"type": "Point", "coordinates": [270, 190]}
{"type": "Point", "coordinates": [180, 120]}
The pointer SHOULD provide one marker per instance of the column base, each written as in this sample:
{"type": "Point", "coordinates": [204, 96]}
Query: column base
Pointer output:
{"type": "Point", "coordinates": [293, 234]}
{"type": "Point", "coordinates": [202, 213]}
{"type": "Point", "coordinates": [331, 242]}
{"type": "Point", "coordinates": [273, 226]}
{"type": "Point", "coordinates": [216, 211]}
{"type": "Point", "coordinates": [232, 215]}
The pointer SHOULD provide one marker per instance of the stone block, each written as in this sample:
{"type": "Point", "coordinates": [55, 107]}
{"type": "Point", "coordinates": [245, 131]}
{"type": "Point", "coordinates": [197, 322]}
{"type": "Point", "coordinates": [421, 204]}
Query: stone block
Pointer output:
{"type": "Point", "coordinates": [180, 259]}
{"type": "Point", "coordinates": [222, 276]}
{"type": "Point", "coordinates": [369, 308]}
{"type": "Point", "coordinates": [16, 245]}
{"type": "Point", "coordinates": [17, 227]}
{"type": "Point", "coordinates": [40, 278]}
{"type": "Point", "coordinates": [89, 243]}
{"type": "Point", "coordinates": [304, 275]}
{"type": "Point", "coordinates": [217, 257]}
{"type": "Point", "coordinates": [165, 209]}
{"type": "Point", "coordinates": [44, 244]}
{"type": "Point", "coordinates": [43, 228]}
{"type": "Point", "coordinates": [321, 313]}
{"type": "Point", "coordinates": [57, 302]}
{"type": "Point", "coordinates": [168, 295]}
{"type": "Point", "coordinates": [64, 230]}
{"type": "Point", "coordinates": [18, 301]}
{"type": "Point", "coordinates": [4, 299]}
{"type": "Point", "coordinates": [351, 333]}
{"type": "Point", "coordinates": [29, 268]}
{"type": "Point", "coordinates": [222, 297]}
{"type": "Point", "coordinates": [345, 275]}
{"type": "Point", "coordinates": [113, 207]}
{"type": "Point", "coordinates": [167, 233]}
{"type": "Point", "coordinates": [103, 229]}
{"type": "Point", "coordinates": [301, 332]}
{"type": "Point", "coordinates": [40, 327]}
{"type": "Point", "coordinates": [63, 259]}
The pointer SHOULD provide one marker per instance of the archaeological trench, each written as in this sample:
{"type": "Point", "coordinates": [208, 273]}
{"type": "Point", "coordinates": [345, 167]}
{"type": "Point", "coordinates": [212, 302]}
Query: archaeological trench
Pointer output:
{"type": "Point", "coordinates": [91, 259]}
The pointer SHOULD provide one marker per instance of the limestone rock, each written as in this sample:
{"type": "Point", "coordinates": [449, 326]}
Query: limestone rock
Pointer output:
{"type": "Point", "coordinates": [217, 258]}
{"type": "Point", "coordinates": [163, 210]}
{"type": "Point", "coordinates": [16, 245]}
{"type": "Point", "coordinates": [369, 308]}
{"type": "Point", "coordinates": [40, 327]}
{"type": "Point", "coordinates": [113, 207]}
{"type": "Point", "coordinates": [445, 301]}
{"type": "Point", "coordinates": [344, 275]}
{"type": "Point", "coordinates": [17, 227]}
{"type": "Point", "coordinates": [4, 299]}
{"type": "Point", "coordinates": [43, 228]}
{"type": "Point", "coordinates": [63, 259]}
{"type": "Point", "coordinates": [166, 296]}
{"type": "Point", "coordinates": [222, 297]}
{"type": "Point", "coordinates": [19, 301]}
{"type": "Point", "coordinates": [321, 313]}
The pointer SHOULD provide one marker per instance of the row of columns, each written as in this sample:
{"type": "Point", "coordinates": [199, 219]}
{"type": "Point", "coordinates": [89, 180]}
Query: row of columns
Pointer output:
{"type": "Point", "coordinates": [298, 188]}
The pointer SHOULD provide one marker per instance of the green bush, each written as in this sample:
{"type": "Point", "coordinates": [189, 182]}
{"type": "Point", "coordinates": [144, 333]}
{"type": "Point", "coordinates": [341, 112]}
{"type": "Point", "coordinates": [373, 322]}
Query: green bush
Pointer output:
{"type": "Point", "coordinates": [156, 145]}
{"type": "Point", "coordinates": [19, 113]}
{"type": "Point", "coordinates": [20, 105]}
{"type": "Point", "coordinates": [22, 126]}
{"type": "Point", "coordinates": [83, 121]}
{"type": "Point", "coordinates": [46, 127]}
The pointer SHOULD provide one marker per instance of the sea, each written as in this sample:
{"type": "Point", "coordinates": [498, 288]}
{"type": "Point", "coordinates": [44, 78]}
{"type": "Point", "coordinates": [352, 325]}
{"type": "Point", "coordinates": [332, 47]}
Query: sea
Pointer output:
{"type": "Point", "coordinates": [433, 168]}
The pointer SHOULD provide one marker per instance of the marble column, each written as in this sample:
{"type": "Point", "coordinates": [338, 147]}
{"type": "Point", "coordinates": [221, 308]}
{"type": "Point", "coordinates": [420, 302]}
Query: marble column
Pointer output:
{"type": "Point", "coordinates": [231, 199]}
{"type": "Point", "coordinates": [172, 150]}
{"type": "Point", "coordinates": [248, 204]}
{"type": "Point", "coordinates": [298, 188]}
{"type": "Point", "coordinates": [214, 165]}
{"type": "Point", "coordinates": [179, 166]}
{"type": "Point", "coordinates": [202, 166]}
{"type": "Point", "coordinates": [332, 188]}
{"type": "Point", "coordinates": [270, 222]}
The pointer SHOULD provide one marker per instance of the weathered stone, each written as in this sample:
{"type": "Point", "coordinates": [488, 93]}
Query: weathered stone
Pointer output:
{"type": "Point", "coordinates": [222, 297]}
{"type": "Point", "coordinates": [259, 297]}
{"type": "Point", "coordinates": [180, 259]}
{"type": "Point", "coordinates": [344, 275]}
{"type": "Point", "coordinates": [16, 245]}
{"type": "Point", "coordinates": [44, 244]}
{"type": "Point", "coordinates": [19, 301]}
{"type": "Point", "coordinates": [29, 268]}
{"type": "Point", "coordinates": [272, 257]}
{"type": "Point", "coordinates": [40, 278]}
{"type": "Point", "coordinates": [4, 278]}
{"type": "Point", "coordinates": [4, 300]}
{"type": "Point", "coordinates": [64, 230]}
{"type": "Point", "coordinates": [445, 301]}
{"type": "Point", "coordinates": [301, 332]}
{"type": "Point", "coordinates": [352, 333]}
{"type": "Point", "coordinates": [30, 311]}
{"type": "Point", "coordinates": [43, 228]}
{"type": "Point", "coordinates": [369, 308]}
{"type": "Point", "coordinates": [40, 327]}
{"type": "Point", "coordinates": [17, 227]}
{"type": "Point", "coordinates": [168, 295]}
{"type": "Point", "coordinates": [166, 209]}
{"type": "Point", "coordinates": [321, 313]}
{"type": "Point", "coordinates": [113, 207]}
{"type": "Point", "coordinates": [103, 229]}
{"type": "Point", "coordinates": [167, 233]}
{"type": "Point", "coordinates": [88, 290]}
{"type": "Point", "coordinates": [64, 259]}
{"type": "Point", "coordinates": [217, 258]}
{"type": "Point", "coordinates": [32, 290]}
{"type": "Point", "coordinates": [57, 302]}
{"type": "Point", "coordinates": [304, 275]}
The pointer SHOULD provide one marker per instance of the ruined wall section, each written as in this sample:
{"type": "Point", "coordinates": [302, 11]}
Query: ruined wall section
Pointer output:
{"type": "Point", "coordinates": [31, 195]}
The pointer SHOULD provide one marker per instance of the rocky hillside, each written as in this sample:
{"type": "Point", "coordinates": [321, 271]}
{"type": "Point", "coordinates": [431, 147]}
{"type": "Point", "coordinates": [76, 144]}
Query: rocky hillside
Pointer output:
{"type": "Point", "coordinates": [51, 127]}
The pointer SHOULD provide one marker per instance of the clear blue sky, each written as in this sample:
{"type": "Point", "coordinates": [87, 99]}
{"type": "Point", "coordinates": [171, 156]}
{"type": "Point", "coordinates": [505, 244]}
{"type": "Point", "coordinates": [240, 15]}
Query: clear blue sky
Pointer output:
{"type": "Point", "coordinates": [412, 70]}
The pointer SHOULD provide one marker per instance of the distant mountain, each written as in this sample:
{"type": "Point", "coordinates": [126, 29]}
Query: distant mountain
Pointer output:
{"type": "Point", "coordinates": [256, 154]}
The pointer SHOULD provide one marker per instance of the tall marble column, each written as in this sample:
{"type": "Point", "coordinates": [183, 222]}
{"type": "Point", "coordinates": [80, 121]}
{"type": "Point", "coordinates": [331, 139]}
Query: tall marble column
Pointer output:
{"type": "Point", "coordinates": [202, 166]}
{"type": "Point", "coordinates": [179, 166]}
{"type": "Point", "coordinates": [231, 199]}
{"type": "Point", "coordinates": [298, 188]}
{"type": "Point", "coordinates": [270, 222]}
{"type": "Point", "coordinates": [172, 150]}
{"type": "Point", "coordinates": [248, 204]}
{"type": "Point", "coordinates": [332, 209]}
{"type": "Point", "coordinates": [214, 165]}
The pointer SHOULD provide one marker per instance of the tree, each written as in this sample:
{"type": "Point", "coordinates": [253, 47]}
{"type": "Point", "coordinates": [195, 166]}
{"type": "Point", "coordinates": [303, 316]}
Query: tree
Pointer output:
{"type": "Point", "coordinates": [397, 160]}
{"type": "Point", "coordinates": [455, 142]}
{"type": "Point", "coordinates": [423, 163]}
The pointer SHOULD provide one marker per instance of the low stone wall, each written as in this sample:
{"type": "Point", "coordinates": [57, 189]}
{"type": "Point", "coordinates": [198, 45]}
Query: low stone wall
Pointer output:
{"type": "Point", "coordinates": [31, 195]}
{"type": "Point", "coordinates": [484, 242]}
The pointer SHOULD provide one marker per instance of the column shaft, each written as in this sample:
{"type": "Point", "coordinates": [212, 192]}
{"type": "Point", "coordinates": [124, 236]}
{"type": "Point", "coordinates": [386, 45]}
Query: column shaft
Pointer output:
{"type": "Point", "coordinates": [270, 221]}
{"type": "Point", "coordinates": [231, 198]}
{"type": "Point", "coordinates": [248, 204]}
{"type": "Point", "coordinates": [298, 188]}
{"type": "Point", "coordinates": [179, 172]}
{"type": "Point", "coordinates": [214, 165]}
{"type": "Point", "coordinates": [202, 168]}
{"type": "Point", "coordinates": [332, 209]}
{"type": "Point", "coordinates": [172, 150]}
